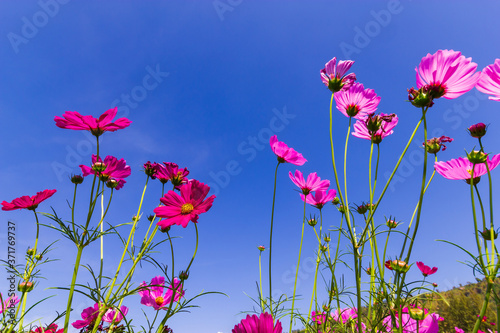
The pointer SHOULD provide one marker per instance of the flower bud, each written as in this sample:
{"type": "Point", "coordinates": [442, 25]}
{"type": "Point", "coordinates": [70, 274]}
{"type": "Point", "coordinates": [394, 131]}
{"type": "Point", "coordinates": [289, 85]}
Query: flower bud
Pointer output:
{"type": "Point", "coordinates": [477, 157]}
{"type": "Point", "coordinates": [416, 313]}
{"type": "Point", "coordinates": [487, 234]}
{"type": "Point", "coordinates": [387, 265]}
{"type": "Point", "coordinates": [164, 230]}
{"type": "Point", "coordinates": [342, 209]}
{"type": "Point", "coordinates": [399, 266]}
{"type": "Point", "coordinates": [111, 183]}
{"type": "Point", "coordinates": [361, 209]}
{"type": "Point", "coordinates": [151, 218]}
{"type": "Point", "coordinates": [135, 218]}
{"type": "Point", "coordinates": [30, 251]}
{"type": "Point", "coordinates": [420, 98]}
{"type": "Point", "coordinates": [323, 248]}
{"type": "Point", "coordinates": [326, 308]}
{"type": "Point", "coordinates": [326, 239]}
{"type": "Point", "coordinates": [261, 248]}
{"type": "Point", "coordinates": [76, 179]}
{"type": "Point", "coordinates": [434, 284]}
{"type": "Point", "coordinates": [183, 275]}
{"type": "Point", "coordinates": [98, 166]}
{"type": "Point", "coordinates": [25, 286]}
{"type": "Point", "coordinates": [312, 222]}
{"type": "Point", "coordinates": [434, 145]}
{"type": "Point", "coordinates": [391, 223]}
{"type": "Point", "coordinates": [477, 130]}
{"type": "Point", "coordinates": [38, 257]}
{"type": "Point", "coordinates": [369, 271]}
{"type": "Point", "coordinates": [150, 170]}
{"type": "Point", "coordinates": [336, 201]}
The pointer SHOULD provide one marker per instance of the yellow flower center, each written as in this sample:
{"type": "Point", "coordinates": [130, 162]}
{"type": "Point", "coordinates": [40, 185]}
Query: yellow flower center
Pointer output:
{"type": "Point", "coordinates": [187, 208]}
{"type": "Point", "coordinates": [159, 300]}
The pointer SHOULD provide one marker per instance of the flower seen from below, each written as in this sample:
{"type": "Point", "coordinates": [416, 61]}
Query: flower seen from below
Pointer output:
{"type": "Point", "coordinates": [357, 102]}
{"type": "Point", "coordinates": [489, 83]}
{"type": "Point", "coordinates": [27, 202]}
{"type": "Point", "coordinates": [434, 145]}
{"type": "Point", "coordinates": [171, 171]}
{"type": "Point", "coordinates": [477, 130]}
{"type": "Point", "coordinates": [285, 154]}
{"type": "Point", "coordinates": [52, 328]}
{"type": "Point", "coordinates": [180, 209]}
{"type": "Point", "coordinates": [89, 315]}
{"type": "Point", "coordinates": [313, 183]}
{"type": "Point", "coordinates": [375, 127]}
{"type": "Point", "coordinates": [111, 169]}
{"type": "Point", "coordinates": [461, 168]}
{"type": "Point", "coordinates": [447, 74]}
{"type": "Point", "coordinates": [115, 315]}
{"type": "Point", "coordinates": [97, 126]}
{"type": "Point", "coordinates": [334, 75]}
{"type": "Point", "coordinates": [153, 295]}
{"type": "Point", "coordinates": [258, 324]}
{"type": "Point", "coordinates": [426, 270]}
{"type": "Point", "coordinates": [319, 198]}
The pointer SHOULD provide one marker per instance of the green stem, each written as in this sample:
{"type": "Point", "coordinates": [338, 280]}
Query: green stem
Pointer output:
{"type": "Point", "coordinates": [271, 243]}
{"type": "Point", "coordinates": [483, 308]}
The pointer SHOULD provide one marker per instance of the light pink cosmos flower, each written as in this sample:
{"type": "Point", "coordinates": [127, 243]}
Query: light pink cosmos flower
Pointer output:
{"type": "Point", "coordinates": [153, 295]}
{"type": "Point", "coordinates": [334, 75]}
{"type": "Point", "coordinates": [30, 203]}
{"type": "Point", "coordinates": [375, 127]}
{"type": "Point", "coordinates": [459, 330]}
{"type": "Point", "coordinates": [8, 303]}
{"type": "Point", "coordinates": [89, 315]}
{"type": "Point", "coordinates": [109, 316]}
{"type": "Point", "coordinates": [426, 270]}
{"type": "Point", "coordinates": [319, 198]}
{"type": "Point", "coordinates": [262, 324]}
{"type": "Point", "coordinates": [111, 169]}
{"type": "Point", "coordinates": [313, 183]}
{"type": "Point", "coordinates": [461, 168]}
{"type": "Point", "coordinates": [357, 102]}
{"type": "Point", "coordinates": [489, 83]}
{"type": "Point", "coordinates": [430, 324]}
{"type": "Point", "coordinates": [447, 74]}
{"type": "Point", "coordinates": [180, 209]}
{"type": "Point", "coordinates": [284, 153]}
{"type": "Point", "coordinates": [97, 126]}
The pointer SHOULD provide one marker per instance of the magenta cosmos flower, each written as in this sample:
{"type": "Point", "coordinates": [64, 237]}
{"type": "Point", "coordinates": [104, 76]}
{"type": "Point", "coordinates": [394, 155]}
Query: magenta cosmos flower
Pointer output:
{"type": "Point", "coordinates": [313, 183]}
{"type": "Point", "coordinates": [8, 303]}
{"type": "Point", "coordinates": [180, 209]}
{"type": "Point", "coordinates": [153, 294]}
{"type": "Point", "coordinates": [489, 83]}
{"type": "Point", "coordinates": [89, 315]}
{"type": "Point", "coordinates": [111, 170]}
{"type": "Point", "coordinates": [284, 153]}
{"type": "Point", "coordinates": [447, 74]}
{"type": "Point", "coordinates": [375, 127]}
{"type": "Point", "coordinates": [30, 203]}
{"type": "Point", "coordinates": [109, 316]}
{"type": "Point", "coordinates": [319, 198]}
{"type": "Point", "coordinates": [171, 171]}
{"type": "Point", "coordinates": [262, 324]}
{"type": "Point", "coordinates": [461, 168]}
{"type": "Point", "coordinates": [75, 121]}
{"type": "Point", "coordinates": [426, 270]}
{"type": "Point", "coordinates": [430, 324]}
{"type": "Point", "coordinates": [357, 102]}
{"type": "Point", "coordinates": [334, 75]}
{"type": "Point", "coordinates": [52, 328]}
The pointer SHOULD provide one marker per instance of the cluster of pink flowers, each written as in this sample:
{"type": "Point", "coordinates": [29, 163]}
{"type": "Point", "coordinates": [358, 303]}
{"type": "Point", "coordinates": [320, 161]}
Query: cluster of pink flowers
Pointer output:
{"type": "Point", "coordinates": [91, 314]}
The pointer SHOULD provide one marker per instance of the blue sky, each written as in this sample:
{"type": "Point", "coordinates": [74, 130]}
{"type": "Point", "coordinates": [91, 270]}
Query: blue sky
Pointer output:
{"type": "Point", "coordinates": [205, 83]}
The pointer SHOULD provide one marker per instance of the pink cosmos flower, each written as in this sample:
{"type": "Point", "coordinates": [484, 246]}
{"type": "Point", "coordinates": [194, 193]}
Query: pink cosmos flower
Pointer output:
{"type": "Point", "coordinates": [30, 203]}
{"type": "Point", "coordinates": [313, 183]}
{"type": "Point", "coordinates": [112, 169]}
{"type": "Point", "coordinates": [489, 83]}
{"type": "Point", "coordinates": [171, 171]}
{"type": "Point", "coordinates": [153, 295]}
{"type": "Point", "coordinates": [447, 74]}
{"type": "Point", "coordinates": [262, 324]}
{"type": "Point", "coordinates": [477, 130]}
{"type": "Point", "coordinates": [459, 330]}
{"type": "Point", "coordinates": [319, 318]}
{"type": "Point", "coordinates": [461, 168]}
{"type": "Point", "coordinates": [97, 126]}
{"type": "Point", "coordinates": [375, 127]}
{"type": "Point", "coordinates": [89, 315]}
{"type": "Point", "coordinates": [52, 328]}
{"type": "Point", "coordinates": [109, 316]}
{"type": "Point", "coordinates": [357, 102]}
{"type": "Point", "coordinates": [334, 77]}
{"type": "Point", "coordinates": [346, 315]}
{"type": "Point", "coordinates": [180, 209]}
{"type": "Point", "coordinates": [319, 198]}
{"type": "Point", "coordinates": [284, 153]}
{"type": "Point", "coordinates": [430, 324]}
{"type": "Point", "coordinates": [8, 303]}
{"type": "Point", "coordinates": [426, 270]}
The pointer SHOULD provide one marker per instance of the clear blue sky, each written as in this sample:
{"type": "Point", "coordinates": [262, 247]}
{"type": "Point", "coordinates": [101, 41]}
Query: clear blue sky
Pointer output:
{"type": "Point", "coordinates": [205, 83]}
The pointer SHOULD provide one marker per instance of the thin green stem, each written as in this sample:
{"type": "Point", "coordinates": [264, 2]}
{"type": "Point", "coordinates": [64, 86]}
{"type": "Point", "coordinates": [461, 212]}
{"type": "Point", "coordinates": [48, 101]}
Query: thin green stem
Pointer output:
{"type": "Point", "coordinates": [271, 242]}
{"type": "Point", "coordinates": [298, 264]}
